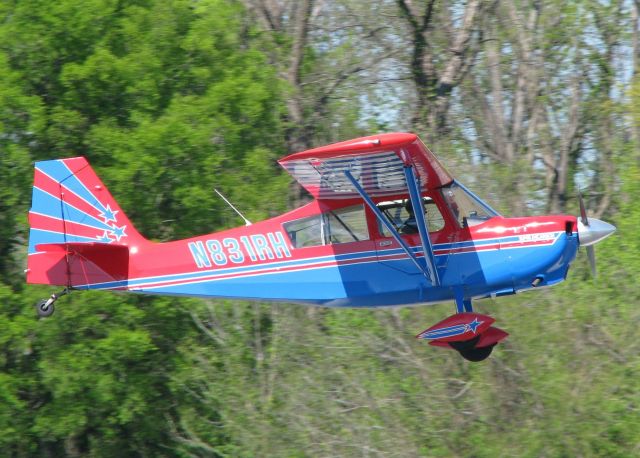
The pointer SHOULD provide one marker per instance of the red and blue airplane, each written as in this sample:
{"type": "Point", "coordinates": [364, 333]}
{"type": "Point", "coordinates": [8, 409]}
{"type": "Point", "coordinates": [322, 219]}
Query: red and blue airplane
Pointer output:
{"type": "Point", "coordinates": [388, 226]}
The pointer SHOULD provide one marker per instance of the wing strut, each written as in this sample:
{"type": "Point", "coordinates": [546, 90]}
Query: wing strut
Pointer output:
{"type": "Point", "coordinates": [418, 212]}
{"type": "Point", "coordinates": [387, 223]}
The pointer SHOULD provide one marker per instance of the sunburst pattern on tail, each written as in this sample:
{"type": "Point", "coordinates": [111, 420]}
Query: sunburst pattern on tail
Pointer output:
{"type": "Point", "coordinates": [73, 216]}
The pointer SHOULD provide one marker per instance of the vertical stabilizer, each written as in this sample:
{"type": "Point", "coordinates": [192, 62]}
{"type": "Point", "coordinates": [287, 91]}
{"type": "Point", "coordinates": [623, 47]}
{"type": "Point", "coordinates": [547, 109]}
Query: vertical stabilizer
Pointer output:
{"type": "Point", "coordinates": [71, 206]}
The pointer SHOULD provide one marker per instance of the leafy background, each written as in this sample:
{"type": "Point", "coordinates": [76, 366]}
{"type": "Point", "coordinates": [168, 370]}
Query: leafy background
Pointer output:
{"type": "Point", "coordinates": [169, 99]}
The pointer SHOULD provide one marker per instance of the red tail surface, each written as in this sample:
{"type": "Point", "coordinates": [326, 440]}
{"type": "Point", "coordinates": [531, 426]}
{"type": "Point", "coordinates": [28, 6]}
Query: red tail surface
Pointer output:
{"type": "Point", "coordinates": [78, 233]}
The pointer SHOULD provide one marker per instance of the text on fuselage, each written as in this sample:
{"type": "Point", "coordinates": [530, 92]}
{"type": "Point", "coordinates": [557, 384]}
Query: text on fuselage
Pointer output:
{"type": "Point", "coordinates": [236, 250]}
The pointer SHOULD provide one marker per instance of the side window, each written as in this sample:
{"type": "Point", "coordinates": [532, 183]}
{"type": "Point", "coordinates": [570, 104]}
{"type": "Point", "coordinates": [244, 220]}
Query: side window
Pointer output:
{"type": "Point", "coordinates": [305, 232]}
{"type": "Point", "coordinates": [400, 214]}
{"type": "Point", "coordinates": [347, 225]}
{"type": "Point", "coordinates": [336, 226]}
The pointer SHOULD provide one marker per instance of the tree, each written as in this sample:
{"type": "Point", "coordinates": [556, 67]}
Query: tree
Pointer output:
{"type": "Point", "coordinates": [439, 63]}
{"type": "Point", "coordinates": [166, 101]}
{"type": "Point", "coordinates": [525, 101]}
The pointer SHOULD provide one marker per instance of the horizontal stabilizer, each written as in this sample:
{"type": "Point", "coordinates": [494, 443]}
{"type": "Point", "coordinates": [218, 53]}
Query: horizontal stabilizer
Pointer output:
{"type": "Point", "coordinates": [78, 264]}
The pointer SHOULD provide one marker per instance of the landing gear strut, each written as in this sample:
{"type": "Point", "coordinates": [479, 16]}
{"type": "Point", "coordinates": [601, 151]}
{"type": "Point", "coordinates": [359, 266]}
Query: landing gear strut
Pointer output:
{"type": "Point", "coordinates": [45, 307]}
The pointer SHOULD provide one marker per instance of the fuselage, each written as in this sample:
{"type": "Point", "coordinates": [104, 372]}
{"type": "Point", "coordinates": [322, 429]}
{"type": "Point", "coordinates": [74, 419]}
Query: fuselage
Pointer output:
{"type": "Point", "coordinates": [357, 266]}
{"type": "Point", "coordinates": [388, 225]}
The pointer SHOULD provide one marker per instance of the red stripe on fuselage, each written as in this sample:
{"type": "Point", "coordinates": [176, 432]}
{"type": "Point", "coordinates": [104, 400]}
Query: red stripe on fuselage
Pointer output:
{"type": "Point", "coordinates": [266, 269]}
{"type": "Point", "coordinates": [152, 264]}
{"type": "Point", "coordinates": [494, 246]}
{"type": "Point", "coordinates": [214, 276]}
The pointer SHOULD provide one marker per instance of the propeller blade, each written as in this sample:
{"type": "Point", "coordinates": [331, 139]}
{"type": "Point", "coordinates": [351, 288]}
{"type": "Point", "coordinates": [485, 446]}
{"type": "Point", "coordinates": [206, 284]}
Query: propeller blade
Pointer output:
{"type": "Point", "coordinates": [591, 254]}
{"type": "Point", "coordinates": [583, 211]}
{"type": "Point", "coordinates": [591, 233]}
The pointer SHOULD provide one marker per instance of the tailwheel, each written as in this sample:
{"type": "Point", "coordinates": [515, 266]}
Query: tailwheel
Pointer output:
{"type": "Point", "coordinates": [44, 310]}
{"type": "Point", "coordinates": [45, 307]}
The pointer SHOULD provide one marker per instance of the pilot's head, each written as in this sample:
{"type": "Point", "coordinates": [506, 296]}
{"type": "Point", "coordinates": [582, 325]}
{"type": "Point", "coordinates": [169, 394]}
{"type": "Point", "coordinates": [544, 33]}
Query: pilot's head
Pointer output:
{"type": "Point", "coordinates": [408, 207]}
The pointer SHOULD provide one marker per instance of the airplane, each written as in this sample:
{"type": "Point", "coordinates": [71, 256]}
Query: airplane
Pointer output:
{"type": "Point", "coordinates": [388, 226]}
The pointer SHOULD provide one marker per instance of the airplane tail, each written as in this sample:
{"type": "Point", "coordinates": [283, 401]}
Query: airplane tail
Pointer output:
{"type": "Point", "coordinates": [78, 236]}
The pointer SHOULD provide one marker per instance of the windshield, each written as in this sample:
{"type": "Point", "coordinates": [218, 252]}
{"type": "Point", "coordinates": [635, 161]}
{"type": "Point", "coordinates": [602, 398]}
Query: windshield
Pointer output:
{"type": "Point", "coordinates": [466, 208]}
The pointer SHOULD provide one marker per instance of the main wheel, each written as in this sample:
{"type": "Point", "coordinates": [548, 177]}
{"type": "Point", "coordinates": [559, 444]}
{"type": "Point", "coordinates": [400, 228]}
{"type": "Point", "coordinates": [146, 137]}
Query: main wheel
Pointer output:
{"type": "Point", "coordinates": [43, 311]}
{"type": "Point", "coordinates": [477, 354]}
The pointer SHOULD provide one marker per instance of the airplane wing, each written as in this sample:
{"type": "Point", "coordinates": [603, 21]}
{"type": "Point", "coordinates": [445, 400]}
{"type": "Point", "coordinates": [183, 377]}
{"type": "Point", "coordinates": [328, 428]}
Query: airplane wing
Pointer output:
{"type": "Point", "coordinates": [376, 162]}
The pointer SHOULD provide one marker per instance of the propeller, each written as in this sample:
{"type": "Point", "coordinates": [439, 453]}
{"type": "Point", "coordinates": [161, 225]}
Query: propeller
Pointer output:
{"type": "Point", "coordinates": [591, 232]}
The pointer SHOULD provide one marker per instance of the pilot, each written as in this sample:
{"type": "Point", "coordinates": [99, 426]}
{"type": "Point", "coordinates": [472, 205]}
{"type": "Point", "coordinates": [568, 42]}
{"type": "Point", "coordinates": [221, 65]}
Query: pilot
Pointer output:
{"type": "Point", "coordinates": [410, 225]}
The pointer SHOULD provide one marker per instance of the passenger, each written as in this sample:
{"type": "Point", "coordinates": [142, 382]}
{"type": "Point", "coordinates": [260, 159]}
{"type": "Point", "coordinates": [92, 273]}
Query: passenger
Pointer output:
{"type": "Point", "coordinates": [410, 225]}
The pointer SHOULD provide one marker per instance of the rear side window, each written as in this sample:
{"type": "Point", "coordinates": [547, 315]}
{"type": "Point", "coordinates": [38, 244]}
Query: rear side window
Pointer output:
{"type": "Point", "coordinates": [336, 226]}
{"type": "Point", "coordinates": [305, 232]}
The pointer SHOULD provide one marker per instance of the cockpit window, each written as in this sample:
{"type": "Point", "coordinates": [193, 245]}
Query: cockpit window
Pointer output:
{"type": "Point", "coordinates": [335, 226]}
{"type": "Point", "coordinates": [346, 225]}
{"type": "Point", "coordinates": [400, 214]}
{"type": "Point", "coordinates": [467, 209]}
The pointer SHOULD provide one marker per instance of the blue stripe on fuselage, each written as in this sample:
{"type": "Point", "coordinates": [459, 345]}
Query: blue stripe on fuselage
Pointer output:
{"type": "Point", "coordinates": [371, 283]}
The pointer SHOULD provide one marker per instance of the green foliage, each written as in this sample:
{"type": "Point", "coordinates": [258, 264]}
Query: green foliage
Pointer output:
{"type": "Point", "coordinates": [21, 124]}
{"type": "Point", "coordinates": [169, 99]}
{"type": "Point", "coordinates": [166, 100]}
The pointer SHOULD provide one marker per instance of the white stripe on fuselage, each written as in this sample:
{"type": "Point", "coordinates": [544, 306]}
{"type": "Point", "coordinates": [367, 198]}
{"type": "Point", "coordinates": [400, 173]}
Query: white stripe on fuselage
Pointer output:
{"type": "Point", "coordinates": [295, 265]}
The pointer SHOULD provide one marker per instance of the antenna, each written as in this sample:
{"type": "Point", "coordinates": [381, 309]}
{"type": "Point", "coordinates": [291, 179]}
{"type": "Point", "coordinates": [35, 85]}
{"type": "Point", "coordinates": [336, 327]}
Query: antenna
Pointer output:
{"type": "Point", "coordinates": [246, 221]}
